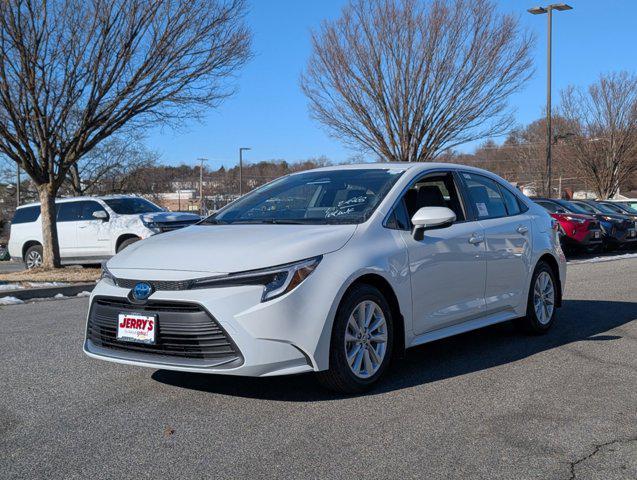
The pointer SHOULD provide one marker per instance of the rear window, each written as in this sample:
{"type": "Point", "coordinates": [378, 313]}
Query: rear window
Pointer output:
{"type": "Point", "coordinates": [26, 215]}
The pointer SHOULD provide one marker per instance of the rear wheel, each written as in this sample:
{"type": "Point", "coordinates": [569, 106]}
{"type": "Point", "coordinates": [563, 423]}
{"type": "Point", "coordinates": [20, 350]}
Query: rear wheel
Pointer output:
{"type": "Point", "coordinates": [34, 258]}
{"type": "Point", "coordinates": [541, 309]}
{"type": "Point", "coordinates": [361, 343]}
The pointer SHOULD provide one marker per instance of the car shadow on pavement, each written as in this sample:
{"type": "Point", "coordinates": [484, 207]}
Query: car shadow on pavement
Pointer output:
{"type": "Point", "coordinates": [578, 320]}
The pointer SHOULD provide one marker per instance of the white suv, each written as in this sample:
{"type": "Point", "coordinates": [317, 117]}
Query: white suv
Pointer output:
{"type": "Point", "coordinates": [91, 229]}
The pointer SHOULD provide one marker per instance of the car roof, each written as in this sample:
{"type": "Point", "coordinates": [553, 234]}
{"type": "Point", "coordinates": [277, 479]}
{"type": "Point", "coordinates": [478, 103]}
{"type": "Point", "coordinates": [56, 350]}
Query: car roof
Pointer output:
{"type": "Point", "coordinates": [77, 199]}
{"type": "Point", "coordinates": [402, 166]}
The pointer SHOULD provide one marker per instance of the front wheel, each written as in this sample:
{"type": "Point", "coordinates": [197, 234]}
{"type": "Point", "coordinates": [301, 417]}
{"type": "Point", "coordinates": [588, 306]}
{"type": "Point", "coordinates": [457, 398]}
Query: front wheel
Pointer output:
{"type": "Point", "coordinates": [361, 343]}
{"type": "Point", "coordinates": [541, 309]}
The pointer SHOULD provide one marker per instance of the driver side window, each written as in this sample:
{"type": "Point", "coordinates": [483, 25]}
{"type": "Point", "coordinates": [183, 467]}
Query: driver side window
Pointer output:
{"type": "Point", "coordinates": [434, 190]}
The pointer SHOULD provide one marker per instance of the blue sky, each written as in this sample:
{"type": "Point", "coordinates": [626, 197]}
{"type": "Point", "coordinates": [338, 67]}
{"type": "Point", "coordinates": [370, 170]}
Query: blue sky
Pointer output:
{"type": "Point", "coordinates": [269, 113]}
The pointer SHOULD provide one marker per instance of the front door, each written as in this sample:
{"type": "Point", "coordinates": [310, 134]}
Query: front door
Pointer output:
{"type": "Point", "coordinates": [92, 233]}
{"type": "Point", "coordinates": [447, 265]}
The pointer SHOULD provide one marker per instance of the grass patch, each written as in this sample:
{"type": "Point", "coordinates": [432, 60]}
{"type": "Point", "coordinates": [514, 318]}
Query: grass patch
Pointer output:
{"type": "Point", "coordinates": [70, 274]}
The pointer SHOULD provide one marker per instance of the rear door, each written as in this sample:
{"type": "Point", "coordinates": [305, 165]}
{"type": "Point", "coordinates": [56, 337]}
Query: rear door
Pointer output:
{"type": "Point", "coordinates": [68, 214]}
{"type": "Point", "coordinates": [508, 241]}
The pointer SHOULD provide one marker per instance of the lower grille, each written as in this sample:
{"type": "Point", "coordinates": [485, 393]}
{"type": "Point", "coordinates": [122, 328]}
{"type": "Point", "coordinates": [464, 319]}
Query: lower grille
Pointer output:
{"type": "Point", "coordinates": [186, 330]}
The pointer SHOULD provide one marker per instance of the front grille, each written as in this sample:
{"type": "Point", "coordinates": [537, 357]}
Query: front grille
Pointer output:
{"type": "Point", "coordinates": [186, 330]}
{"type": "Point", "coordinates": [170, 226]}
{"type": "Point", "coordinates": [593, 225]}
{"type": "Point", "coordinates": [158, 285]}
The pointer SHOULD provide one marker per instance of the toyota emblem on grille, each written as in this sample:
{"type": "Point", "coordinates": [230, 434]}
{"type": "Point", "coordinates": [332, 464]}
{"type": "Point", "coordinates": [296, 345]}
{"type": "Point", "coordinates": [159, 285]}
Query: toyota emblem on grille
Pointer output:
{"type": "Point", "coordinates": [142, 291]}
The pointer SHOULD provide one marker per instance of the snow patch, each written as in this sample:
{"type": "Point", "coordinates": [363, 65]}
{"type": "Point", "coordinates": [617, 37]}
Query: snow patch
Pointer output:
{"type": "Point", "coordinates": [10, 301]}
{"type": "Point", "coordinates": [83, 294]}
{"type": "Point", "coordinates": [609, 258]}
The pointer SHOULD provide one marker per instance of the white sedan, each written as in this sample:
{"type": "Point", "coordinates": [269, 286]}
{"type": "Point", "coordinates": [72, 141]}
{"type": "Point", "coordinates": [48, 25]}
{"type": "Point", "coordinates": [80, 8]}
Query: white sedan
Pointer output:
{"type": "Point", "coordinates": [334, 271]}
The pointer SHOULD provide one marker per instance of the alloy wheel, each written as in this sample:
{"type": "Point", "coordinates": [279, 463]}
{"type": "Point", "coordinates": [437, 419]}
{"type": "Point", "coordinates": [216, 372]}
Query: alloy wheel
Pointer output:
{"type": "Point", "coordinates": [544, 298]}
{"type": "Point", "coordinates": [34, 259]}
{"type": "Point", "coordinates": [366, 339]}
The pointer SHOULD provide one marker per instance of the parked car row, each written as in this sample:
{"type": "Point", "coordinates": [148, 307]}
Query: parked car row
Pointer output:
{"type": "Point", "coordinates": [593, 226]}
{"type": "Point", "coordinates": [91, 229]}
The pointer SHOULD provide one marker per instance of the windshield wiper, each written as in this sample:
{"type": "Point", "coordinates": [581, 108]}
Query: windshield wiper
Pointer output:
{"type": "Point", "coordinates": [212, 221]}
{"type": "Point", "coordinates": [271, 221]}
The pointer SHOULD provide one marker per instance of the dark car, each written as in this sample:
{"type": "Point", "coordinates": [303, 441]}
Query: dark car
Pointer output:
{"type": "Point", "coordinates": [618, 231]}
{"type": "Point", "coordinates": [618, 207]}
{"type": "Point", "coordinates": [578, 231]}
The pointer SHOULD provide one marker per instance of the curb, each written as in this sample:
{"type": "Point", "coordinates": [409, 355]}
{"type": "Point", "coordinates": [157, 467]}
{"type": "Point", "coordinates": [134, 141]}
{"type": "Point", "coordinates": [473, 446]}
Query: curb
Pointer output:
{"type": "Point", "coordinates": [48, 292]}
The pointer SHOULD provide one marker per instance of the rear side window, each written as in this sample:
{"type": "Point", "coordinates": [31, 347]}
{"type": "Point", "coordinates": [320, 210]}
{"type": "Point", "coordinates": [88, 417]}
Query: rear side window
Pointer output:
{"type": "Point", "coordinates": [26, 215]}
{"type": "Point", "coordinates": [485, 196]}
{"type": "Point", "coordinates": [68, 211]}
{"type": "Point", "coordinates": [510, 201]}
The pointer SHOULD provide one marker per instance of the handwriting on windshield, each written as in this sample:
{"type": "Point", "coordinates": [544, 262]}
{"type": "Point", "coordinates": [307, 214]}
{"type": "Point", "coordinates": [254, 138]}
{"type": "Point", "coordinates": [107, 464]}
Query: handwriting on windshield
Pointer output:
{"type": "Point", "coordinates": [345, 207]}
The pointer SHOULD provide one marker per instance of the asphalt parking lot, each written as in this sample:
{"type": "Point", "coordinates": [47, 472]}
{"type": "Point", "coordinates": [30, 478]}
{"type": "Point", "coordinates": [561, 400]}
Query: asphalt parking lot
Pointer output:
{"type": "Point", "coordinates": [488, 404]}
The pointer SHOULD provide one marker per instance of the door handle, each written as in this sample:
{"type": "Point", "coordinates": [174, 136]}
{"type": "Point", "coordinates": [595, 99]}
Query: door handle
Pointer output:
{"type": "Point", "coordinates": [476, 239]}
{"type": "Point", "coordinates": [522, 229]}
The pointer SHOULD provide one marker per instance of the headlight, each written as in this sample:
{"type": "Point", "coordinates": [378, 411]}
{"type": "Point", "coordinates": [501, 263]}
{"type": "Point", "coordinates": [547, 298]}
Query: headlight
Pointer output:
{"type": "Point", "coordinates": [107, 276]}
{"type": "Point", "coordinates": [151, 225]}
{"type": "Point", "coordinates": [575, 219]}
{"type": "Point", "coordinates": [276, 281]}
{"type": "Point", "coordinates": [608, 219]}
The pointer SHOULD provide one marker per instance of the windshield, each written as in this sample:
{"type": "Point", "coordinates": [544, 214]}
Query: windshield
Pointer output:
{"type": "Point", "coordinates": [608, 209]}
{"type": "Point", "coordinates": [132, 206]}
{"type": "Point", "coordinates": [332, 196]}
{"type": "Point", "coordinates": [632, 209]}
{"type": "Point", "coordinates": [575, 208]}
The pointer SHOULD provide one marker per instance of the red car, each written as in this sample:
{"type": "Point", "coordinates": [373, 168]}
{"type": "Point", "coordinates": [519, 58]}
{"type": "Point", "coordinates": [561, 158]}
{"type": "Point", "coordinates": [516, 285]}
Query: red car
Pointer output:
{"type": "Point", "coordinates": [578, 231]}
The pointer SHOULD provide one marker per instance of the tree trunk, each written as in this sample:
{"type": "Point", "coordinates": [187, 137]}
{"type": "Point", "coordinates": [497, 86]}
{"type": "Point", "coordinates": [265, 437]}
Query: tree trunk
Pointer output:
{"type": "Point", "coordinates": [50, 245]}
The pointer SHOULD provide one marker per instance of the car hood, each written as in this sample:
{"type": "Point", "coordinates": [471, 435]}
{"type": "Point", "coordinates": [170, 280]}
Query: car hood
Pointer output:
{"type": "Point", "coordinates": [574, 215]}
{"type": "Point", "coordinates": [167, 217]}
{"type": "Point", "coordinates": [231, 248]}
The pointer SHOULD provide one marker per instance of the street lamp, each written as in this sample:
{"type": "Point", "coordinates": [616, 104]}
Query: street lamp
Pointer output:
{"type": "Point", "coordinates": [201, 201]}
{"type": "Point", "coordinates": [539, 11]}
{"type": "Point", "coordinates": [241, 150]}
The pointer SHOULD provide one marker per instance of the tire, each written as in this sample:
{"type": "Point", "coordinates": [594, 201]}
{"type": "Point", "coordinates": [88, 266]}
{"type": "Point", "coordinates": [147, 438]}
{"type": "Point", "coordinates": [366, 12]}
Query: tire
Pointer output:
{"type": "Point", "coordinates": [543, 286]}
{"type": "Point", "coordinates": [593, 249]}
{"type": "Point", "coordinates": [33, 258]}
{"type": "Point", "coordinates": [341, 377]}
{"type": "Point", "coordinates": [126, 243]}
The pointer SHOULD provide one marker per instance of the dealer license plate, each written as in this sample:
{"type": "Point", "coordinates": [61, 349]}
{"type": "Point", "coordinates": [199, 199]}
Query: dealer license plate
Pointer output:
{"type": "Point", "coordinates": [596, 235]}
{"type": "Point", "coordinates": [136, 328]}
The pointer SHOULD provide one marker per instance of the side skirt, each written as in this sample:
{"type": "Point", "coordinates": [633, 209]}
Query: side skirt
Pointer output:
{"type": "Point", "coordinates": [459, 328]}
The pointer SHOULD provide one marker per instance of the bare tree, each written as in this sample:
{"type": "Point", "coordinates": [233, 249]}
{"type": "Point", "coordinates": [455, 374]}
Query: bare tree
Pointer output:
{"type": "Point", "coordinates": [603, 119]}
{"type": "Point", "coordinates": [74, 72]}
{"type": "Point", "coordinates": [407, 80]}
{"type": "Point", "coordinates": [108, 167]}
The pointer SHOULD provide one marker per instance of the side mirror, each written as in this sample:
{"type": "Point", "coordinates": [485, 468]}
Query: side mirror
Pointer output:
{"type": "Point", "coordinates": [427, 218]}
{"type": "Point", "coordinates": [100, 215]}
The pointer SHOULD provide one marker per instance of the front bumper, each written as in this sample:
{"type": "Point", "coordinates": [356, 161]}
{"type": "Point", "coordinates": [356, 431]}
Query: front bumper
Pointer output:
{"type": "Point", "coordinates": [622, 237]}
{"type": "Point", "coordinates": [282, 336]}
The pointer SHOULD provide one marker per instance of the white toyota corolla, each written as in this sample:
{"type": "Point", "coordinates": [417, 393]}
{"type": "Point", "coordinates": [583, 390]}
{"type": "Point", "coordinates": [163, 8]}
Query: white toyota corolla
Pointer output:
{"type": "Point", "coordinates": [335, 271]}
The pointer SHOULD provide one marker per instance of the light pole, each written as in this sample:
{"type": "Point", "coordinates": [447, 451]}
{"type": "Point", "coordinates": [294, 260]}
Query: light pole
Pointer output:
{"type": "Point", "coordinates": [201, 203]}
{"type": "Point", "coordinates": [17, 187]}
{"type": "Point", "coordinates": [539, 11]}
{"type": "Point", "coordinates": [241, 168]}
